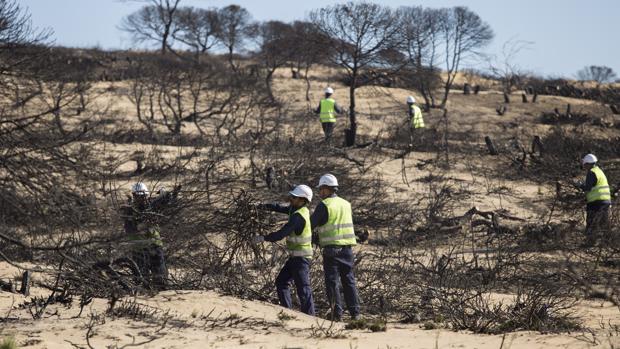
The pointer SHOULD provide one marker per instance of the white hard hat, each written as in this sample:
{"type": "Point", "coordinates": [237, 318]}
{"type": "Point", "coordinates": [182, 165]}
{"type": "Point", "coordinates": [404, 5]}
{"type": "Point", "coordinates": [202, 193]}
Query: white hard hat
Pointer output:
{"type": "Point", "coordinates": [140, 189]}
{"type": "Point", "coordinates": [328, 180]}
{"type": "Point", "coordinates": [589, 159]}
{"type": "Point", "coordinates": [329, 91]}
{"type": "Point", "coordinates": [302, 191]}
{"type": "Point", "coordinates": [410, 99]}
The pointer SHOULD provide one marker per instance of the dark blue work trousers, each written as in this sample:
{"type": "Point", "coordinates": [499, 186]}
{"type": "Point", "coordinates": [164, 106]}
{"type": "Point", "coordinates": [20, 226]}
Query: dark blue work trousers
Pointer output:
{"type": "Point", "coordinates": [296, 269]}
{"type": "Point", "coordinates": [338, 268]}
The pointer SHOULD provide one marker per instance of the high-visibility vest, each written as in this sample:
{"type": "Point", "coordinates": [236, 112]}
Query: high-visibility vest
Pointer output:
{"type": "Point", "coordinates": [328, 110]}
{"type": "Point", "coordinates": [338, 230]}
{"type": "Point", "coordinates": [416, 120]}
{"type": "Point", "coordinates": [301, 245]}
{"type": "Point", "coordinates": [600, 191]}
{"type": "Point", "coordinates": [151, 237]}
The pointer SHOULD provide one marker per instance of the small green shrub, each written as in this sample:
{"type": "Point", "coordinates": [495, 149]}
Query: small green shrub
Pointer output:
{"type": "Point", "coordinates": [8, 343]}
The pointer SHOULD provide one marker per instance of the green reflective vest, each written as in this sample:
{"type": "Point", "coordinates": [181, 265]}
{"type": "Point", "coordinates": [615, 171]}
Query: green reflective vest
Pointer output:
{"type": "Point", "coordinates": [600, 191]}
{"type": "Point", "coordinates": [416, 120]}
{"type": "Point", "coordinates": [301, 245]}
{"type": "Point", "coordinates": [338, 230]}
{"type": "Point", "coordinates": [151, 237]}
{"type": "Point", "coordinates": [328, 110]}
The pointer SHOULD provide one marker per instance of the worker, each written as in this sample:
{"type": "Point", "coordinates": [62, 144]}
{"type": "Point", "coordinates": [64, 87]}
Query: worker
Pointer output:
{"type": "Point", "coordinates": [142, 216]}
{"type": "Point", "coordinates": [327, 110]}
{"type": "Point", "coordinates": [332, 220]}
{"type": "Point", "coordinates": [598, 197]}
{"type": "Point", "coordinates": [298, 234]}
{"type": "Point", "coordinates": [417, 121]}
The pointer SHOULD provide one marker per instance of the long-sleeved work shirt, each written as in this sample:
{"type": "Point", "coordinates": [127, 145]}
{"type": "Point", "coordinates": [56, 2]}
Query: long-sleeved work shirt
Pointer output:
{"type": "Point", "coordinates": [295, 224]}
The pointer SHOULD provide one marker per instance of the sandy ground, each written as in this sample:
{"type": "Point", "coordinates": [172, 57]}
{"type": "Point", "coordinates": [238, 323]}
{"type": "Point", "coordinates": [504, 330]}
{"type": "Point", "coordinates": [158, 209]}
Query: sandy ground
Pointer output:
{"type": "Point", "coordinates": [197, 319]}
{"type": "Point", "coordinates": [200, 319]}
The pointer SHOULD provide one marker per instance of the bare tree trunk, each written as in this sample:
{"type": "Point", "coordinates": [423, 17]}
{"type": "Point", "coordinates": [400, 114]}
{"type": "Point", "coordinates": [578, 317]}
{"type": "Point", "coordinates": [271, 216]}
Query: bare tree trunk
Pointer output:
{"type": "Point", "coordinates": [523, 98]}
{"type": "Point", "coordinates": [350, 138]}
{"type": "Point", "coordinates": [307, 83]}
{"type": "Point", "coordinates": [268, 83]}
{"type": "Point", "coordinates": [506, 98]}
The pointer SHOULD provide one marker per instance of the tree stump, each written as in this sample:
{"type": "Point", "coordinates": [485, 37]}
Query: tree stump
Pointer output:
{"type": "Point", "coordinates": [25, 288]}
{"type": "Point", "coordinates": [523, 98]}
{"type": "Point", "coordinates": [506, 98]}
{"type": "Point", "coordinates": [270, 177]}
{"type": "Point", "coordinates": [537, 146]}
{"type": "Point", "coordinates": [466, 89]}
{"type": "Point", "coordinates": [535, 97]}
{"type": "Point", "coordinates": [294, 74]}
{"type": "Point", "coordinates": [490, 145]}
{"type": "Point", "coordinates": [501, 110]}
{"type": "Point", "coordinates": [476, 89]}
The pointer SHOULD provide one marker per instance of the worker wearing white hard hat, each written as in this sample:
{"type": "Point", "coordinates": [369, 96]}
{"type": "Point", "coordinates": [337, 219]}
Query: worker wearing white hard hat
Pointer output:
{"type": "Point", "coordinates": [327, 110]}
{"type": "Point", "coordinates": [598, 198]}
{"type": "Point", "coordinates": [142, 229]}
{"type": "Point", "coordinates": [298, 234]}
{"type": "Point", "coordinates": [332, 220]}
{"type": "Point", "coordinates": [416, 119]}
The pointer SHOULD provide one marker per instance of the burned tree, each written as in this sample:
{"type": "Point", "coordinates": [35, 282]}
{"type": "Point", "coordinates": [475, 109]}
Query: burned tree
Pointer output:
{"type": "Point", "coordinates": [197, 28]}
{"type": "Point", "coordinates": [234, 30]}
{"type": "Point", "coordinates": [275, 43]}
{"type": "Point", "coordinates": [463, 32]}
{"type": "Point", "coordinates": [420, 37]}
{"type": "Point", "coordinates": [503, 67]}
{"type": "Point", "coordinates": [153, 23]}
{"type": "Point", "coordinates": [307, 46]}
{"type": "Point", "coordinates": [597, 74]}
{"type": "Point", "coordinates": [359, 35]}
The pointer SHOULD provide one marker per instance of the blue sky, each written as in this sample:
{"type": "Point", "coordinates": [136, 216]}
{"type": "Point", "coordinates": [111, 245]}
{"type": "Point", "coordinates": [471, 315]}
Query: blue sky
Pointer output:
{"type": "Point", "coordinates": [566, 35]}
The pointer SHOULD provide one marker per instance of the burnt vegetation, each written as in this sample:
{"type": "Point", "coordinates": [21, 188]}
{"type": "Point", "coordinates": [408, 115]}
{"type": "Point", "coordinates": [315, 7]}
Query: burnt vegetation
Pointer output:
{"type": "Point", "coordinates": [213, 124]}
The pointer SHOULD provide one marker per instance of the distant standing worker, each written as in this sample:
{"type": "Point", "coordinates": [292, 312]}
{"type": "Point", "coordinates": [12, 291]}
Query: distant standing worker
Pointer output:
{"type": "Point", "coordinates": [332, 220]}
{"type": "Point", "coordinates": [417, 121]}
{"type": "Point", "coordinates": [598, 197]}
{"type": "Point", "coordinates": [327, 110]}
{"type": "Point", "coordinates": [298, 234]}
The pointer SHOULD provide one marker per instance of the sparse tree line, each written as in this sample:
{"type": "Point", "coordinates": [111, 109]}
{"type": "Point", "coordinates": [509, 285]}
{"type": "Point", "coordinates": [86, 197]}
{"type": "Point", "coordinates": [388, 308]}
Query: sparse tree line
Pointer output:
{"type": "Point", "coordinates": [60, 192]}
{"type": "Point", "coordinates": [362, 38]}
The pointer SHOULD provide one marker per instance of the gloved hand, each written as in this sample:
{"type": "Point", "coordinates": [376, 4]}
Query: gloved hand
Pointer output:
{"type": "Point", "coordinates": [257, 239]}
{"type": "Point", "coordinates": [259, 205]}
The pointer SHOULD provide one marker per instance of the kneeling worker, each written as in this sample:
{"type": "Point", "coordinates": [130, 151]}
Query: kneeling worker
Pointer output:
{"type": "Point", "coordinates": [298, 236]}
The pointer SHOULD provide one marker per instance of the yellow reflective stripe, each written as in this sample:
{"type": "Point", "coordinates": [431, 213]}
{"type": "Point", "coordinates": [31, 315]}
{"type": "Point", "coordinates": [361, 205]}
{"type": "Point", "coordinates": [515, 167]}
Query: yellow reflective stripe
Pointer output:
{"type": "Point", "coordinates": [299, 239]}
{"type": "Point", "coordinates": [300, 253]}
{"type": "Point", "coordinates": [337, 237]}
{"type": "Point", "coordinates": [333, 227]}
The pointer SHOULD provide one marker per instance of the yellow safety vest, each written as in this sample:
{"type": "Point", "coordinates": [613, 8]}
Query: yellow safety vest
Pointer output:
{"type": "Point", "coordinates": [416, 121]}
{"type": "Point", "coordinates": [600, 191]}
{"type": "Point", "coordinates": [328, 110]}
{"type": "Point", "coordinates": [301, 245]}
{"type": "Point", "coordinates": [339, 227]}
